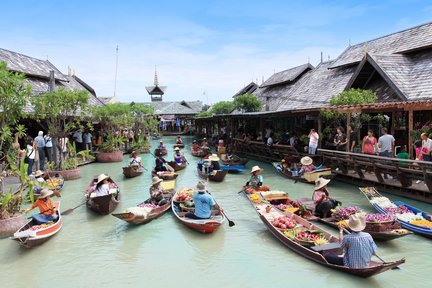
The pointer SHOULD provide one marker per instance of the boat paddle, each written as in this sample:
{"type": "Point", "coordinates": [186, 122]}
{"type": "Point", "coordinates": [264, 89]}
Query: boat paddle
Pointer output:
{"type": "Point", "coordinates": [56, 191]}
{"type": "Point", "coordinates": [69, 211]}
{"type": "Point", "coordinates": [230, 223]}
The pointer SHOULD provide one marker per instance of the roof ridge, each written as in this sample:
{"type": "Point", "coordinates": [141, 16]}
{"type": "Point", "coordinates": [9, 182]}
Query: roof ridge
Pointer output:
{"type": "Point", "coordinates": [24, 55]}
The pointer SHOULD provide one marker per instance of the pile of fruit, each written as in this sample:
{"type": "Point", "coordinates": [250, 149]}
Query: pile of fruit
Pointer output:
{"type": "Point", "coordinates": [185, 195]}
{"type": "Point", "coordinates": [423, 223]}
{"type": "Point", "coordinates": [345, 213]}
{"type": "Point", "coordinates": [308, 236]}
{"type": "Point", "coordinates": [379, 218]}
{"type": "Point", "coordinates": [321, 241]}
{"type": "Point", "coordinates": [342, 223]}
{"type": "Point", "coordinates": [284, 223]}
{"type": "Point", "coordinates": [249, 190]}
{"type": "Point", "coordinates": [53, 182]}
{"type": "Point", "coordinates": [255, 198]}
{"type": "Point", "coordinates": [398, 210]}
{"type": "Point", "coordinates": [41, 226]}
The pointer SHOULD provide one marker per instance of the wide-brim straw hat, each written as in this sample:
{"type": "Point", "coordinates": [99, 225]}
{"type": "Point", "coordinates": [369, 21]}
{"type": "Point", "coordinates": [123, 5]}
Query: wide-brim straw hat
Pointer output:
{"type": "Point", "coordinates": [256, 168]}
{"type": "Point", "coordinates": [306, 161]}
{"type": "Point", "coordinates": [45, 193]}
{"type": "Point", "coordinates": [101, 178]}
{"type": "Point", "coordinates": [356, 223]}
{"type": "Point", "coordinates": [39, 173]}
{"type": "Point", "coordinates": [200, 187]}
{"type": "Point", "coordinates": [156, 180]}
{"type": "Point", "coordinates": [214, 157]}
{"type": "Point", "coordinates": [160, 141]}
{"type": "Point", "coordinates": [321, 182]}
{"type": "Point", "coordinates": [133, 153]}
{"type": "Point", "coordinates": [176, 149]}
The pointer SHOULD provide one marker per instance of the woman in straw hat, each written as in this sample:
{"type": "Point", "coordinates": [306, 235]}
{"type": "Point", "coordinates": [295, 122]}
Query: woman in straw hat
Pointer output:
{"type": "Point", "coordinates": [214, 163]}
{"type": "Point", "coordinates": [358, 246]}
{"type": "Point", "coordinates": [307, 165]}
{"type": "Point", "coordinates": [47, 210]}
{"type": "Point", "coordinates": [156, 192]}
{"type": "Point", "coordinates": [102, 185]}
{"type": "Point", "coordinates": [39, 181]}
{"type": "Point", "coordinates": [322, 200]}
{"type": "Point", "coordinates": [204, 203]}
{"type": "Point", "coordinates": [178, 157]}
{"type": "Point", "coordinates": [136, 161]}
{"type": "Point", "coordinates": [256, 180]}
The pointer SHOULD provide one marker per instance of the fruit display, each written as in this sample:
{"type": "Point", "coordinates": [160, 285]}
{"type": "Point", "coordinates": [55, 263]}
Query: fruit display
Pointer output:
{"type": "Point", "coordinates": [379, 218]}
{"type": "Point", "coordinates": [308, 236]}
{"type": "Point", "coordinates": [345, 213]}
{"type": "Point", "coordinates": [255, 198]}
{"type": "Point", "coordinates": [383, 202]}
{"type": "Point", "coordinates": [284, 223]}
{"type": "Point", "coordinates": [53, 182]}
{"type": "Point", "coordinates": [41, 226]}
{"type": "Point", "coordinates": [321, 241]}
{"type": "Point", "coordinates": [342, 223]}
{"type": "Point", "coordinates": [423, 223]}
{"type": "Point", "coordinates": [398, 210]}
{"type": "Point", "coordinates": [185, 195]}
{"type": "Point", "coordinates": [290, 233]}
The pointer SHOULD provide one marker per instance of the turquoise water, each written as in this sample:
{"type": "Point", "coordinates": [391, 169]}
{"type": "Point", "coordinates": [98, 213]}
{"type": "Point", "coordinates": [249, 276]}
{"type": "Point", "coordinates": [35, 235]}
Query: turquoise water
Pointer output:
{"type": "Point", "coordinates": [93, 250]}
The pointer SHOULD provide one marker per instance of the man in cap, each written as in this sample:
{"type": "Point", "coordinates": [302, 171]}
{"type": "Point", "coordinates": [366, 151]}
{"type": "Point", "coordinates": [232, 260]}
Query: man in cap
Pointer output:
{"type": "Point", "coordinates": [204, 203]}
{"type": "Point", "coordinates": [47, 210]}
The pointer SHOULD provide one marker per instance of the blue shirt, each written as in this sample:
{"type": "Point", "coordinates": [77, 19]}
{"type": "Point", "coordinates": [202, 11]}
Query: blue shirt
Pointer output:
{"type": "Point", "coordinates": [203, 204]}
{"type": "Point", "coordinates": [40, 142]}
{"type": "Point", "coordinates": [254, 180]}
{"type": "Point", "coordinates": [359, 247]}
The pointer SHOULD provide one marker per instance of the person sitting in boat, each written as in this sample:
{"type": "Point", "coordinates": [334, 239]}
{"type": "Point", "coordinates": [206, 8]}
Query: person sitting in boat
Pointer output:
{"type": "Point", "coordinates": [358, 246]}
{"type": "Point", "coordinates": [161, 145]}
{"type": "Point", "coordinates": [156, 192]}
{"type": "Point", "coordinates": [204, 203]}
{"type": "Point", "coordinates": [214, 163]}
{"type": "Point", "coordinates": [39, 181]}
{"type": "Point", "coordinates": [284, 165]}
{"type": "Point", "coordinates": [160, 163]}
{"type": "Point", "coordinates": [136, 161]}
{"type": "Point", "coordinates": [102, 185]}
{"type": "Point", "coordinates": [178, 157]}
{"type": "Point", "coordinates": [179, 140]}
{"type": "Point", "coordinates": [47, 210]}
{"type": "Point", "coordinates": [195, 146]}
{"type": "Point", "coordinates": [204, 144]}
{"type": "Point", "coordinates": [256, 180]}
{"type": "Point", "coordinates": [307, 165]}
{"type": "Point", "coordinates": [323, 203]}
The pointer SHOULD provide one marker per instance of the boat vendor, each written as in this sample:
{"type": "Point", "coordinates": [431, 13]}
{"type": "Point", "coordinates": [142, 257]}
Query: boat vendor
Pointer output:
{"type": "Point", "coordinates": [203, 203]}
{"type": "Point", "coordinates": [256, 180]}
{"type": "Point", "coordinates": [136, 161]}
{"type": "Point", "coordinates": [178, 157]}
{"type": "Point", "coordinates": [214, 163]}
{"type": "Point", "coordinates": [102, 185]}
{"type": "Point", "coordinates": [161, 145]}
{"type": "Point", "coordinates": [307, 165]}
{"type": "Point", "coordinates": [156, 192]}
{"type": "Point", "coordinates": [204, 144]}
{"type": "Point", "coordinates": [195, 146]}
{"type": "Point", "coordinates": [179, 140]}
{"type": "Point", "coordinates": [160, 164]}
{"type": "Point", "coordinates": [39, 181]}
{"type": "Point", "coordinates": [358, 246]}
{"type": "Point", "coordinates": [323, 203]}
{"type": "Point", "coordinates": [47, 210]}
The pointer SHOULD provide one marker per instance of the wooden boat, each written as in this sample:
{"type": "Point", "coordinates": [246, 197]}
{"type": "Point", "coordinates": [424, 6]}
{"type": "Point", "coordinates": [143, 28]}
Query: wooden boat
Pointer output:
{"type": "Point", "coordinates": [105, 204]}
{"type": "Point", "coordinates": [54, 183]}
{"type": "Point", "coordinates": [234, 161]}
{"type": "Point", "coordinates": [371, 193]}
{"type": "Point", "coordinates": [165, 175]}
{"type": "Point", "coordinates": [376, 235]}
{"type": "Point", "coordinates": [181, 146]}
{"type": "Point", "coordinates": [200, 153]}
{"type": "Point", "coordinates": [33, 234]}
{"type": "Point", "coordinates": [161, 152]}
{"type": "Point", "coordinates": [130, 172]}
{"type": "Point", "coordinates": [176, 166]}
{"type": "Point", "coordinates": [135, 216]}
{"type": "Point", "coordinates": [202, 225]}
{"type": "Point", "coordinates": [312, 252]}
{"type": "Point", "coordinates": [217, 176]}
{"type": "Point", "coordinates": [308, 177]}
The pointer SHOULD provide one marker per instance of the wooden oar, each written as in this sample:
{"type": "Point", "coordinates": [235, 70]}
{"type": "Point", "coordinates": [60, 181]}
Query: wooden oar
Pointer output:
{"type": "Point", "coordinates": [56, 191]}
{"type": "Point", "coordinates": [69, 211]}
{"type": "Point", "coordinates": [230, 223]}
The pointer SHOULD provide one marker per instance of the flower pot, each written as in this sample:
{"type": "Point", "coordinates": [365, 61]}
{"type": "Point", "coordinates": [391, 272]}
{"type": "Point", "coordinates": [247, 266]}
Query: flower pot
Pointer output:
{"type": "Point", "coordinates": [106, 157]}
{"type": "Point", "coordinates": [71, 174]}
{"type": "Point", "coordinates": [9, 226]}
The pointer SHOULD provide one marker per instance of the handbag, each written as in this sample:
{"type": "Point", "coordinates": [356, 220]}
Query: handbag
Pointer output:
{"type": "Point", "coordinates": [27, 157]}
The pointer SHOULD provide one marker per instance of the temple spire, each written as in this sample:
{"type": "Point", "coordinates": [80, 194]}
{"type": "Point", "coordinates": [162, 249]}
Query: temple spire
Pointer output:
{"type": "Point", "coordinates": [156, 81]}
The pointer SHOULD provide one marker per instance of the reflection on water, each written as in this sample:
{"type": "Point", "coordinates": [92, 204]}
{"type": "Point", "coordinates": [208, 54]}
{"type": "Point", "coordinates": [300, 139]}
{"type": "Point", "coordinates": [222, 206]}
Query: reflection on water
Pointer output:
{"type": "Point", "coordinates": [93, 250]}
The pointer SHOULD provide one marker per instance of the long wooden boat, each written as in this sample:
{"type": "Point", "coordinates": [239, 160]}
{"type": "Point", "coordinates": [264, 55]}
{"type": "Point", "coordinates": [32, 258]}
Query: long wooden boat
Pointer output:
{"type": "Point", "coordinates": [32, 234]}
{"type": "Point", "coordinates": [308, 252]}
{"type": "Point", "coordinates": [181, 146]}
{"type": "Point", "coordinates": [376, 235]}
{"type": "Point", "coordinates": [105, 204]}
{"type": "Point", "coordinates": [202, 225]}
{"type": "Point", "coordinates": [165, 175]}
{"type": "Point", "coordinates": [130, 172]}
{"type": "Point", "coordinates": [161, 152]}
{"type": "Point", "coordinates": [137, 215]}
{"type": "Point", "coordinates": [217, 176]}
{"type": "Point", "coordinates": [176, 166]}
{"type": "Point", "coordinates": [308, 177]}
{"type": "Point", "coordinates": [371, 193]}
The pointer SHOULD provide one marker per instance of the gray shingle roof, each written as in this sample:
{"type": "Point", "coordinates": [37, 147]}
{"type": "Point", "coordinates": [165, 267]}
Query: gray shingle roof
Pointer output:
{"type": "Point", "coordinates": [317, 87]}
{"type": "Point", "coordinates": [400, 42]}
{"type": "Point", "coordinates": [288, 75]}
{"type": "Point", "coordinates": [176, 108]}
{"type": "Point", "coordinates": [250, 88]}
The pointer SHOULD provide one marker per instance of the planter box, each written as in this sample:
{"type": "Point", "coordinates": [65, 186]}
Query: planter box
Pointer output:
{"type": "Point", "coordinates": [9, 226]}
{"type": "Point", "coordinates": [106, 157]}
{"type": "Point", "coordinates": [67, 174]}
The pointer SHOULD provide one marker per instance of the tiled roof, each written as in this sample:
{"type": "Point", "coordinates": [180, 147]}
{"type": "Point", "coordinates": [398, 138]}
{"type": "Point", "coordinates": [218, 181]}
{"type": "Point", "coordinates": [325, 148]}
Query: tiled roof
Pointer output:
{"type": "Point", "coordinates": [400, 42]}
{"type": "Point", "coordinates": [176, 108]}
{"type": "Point", "coordinates": [250, 88]}
{"type": "Point", "coordinates": [317, 87]}
{"type": "Point", "coordinates": [288, 75]}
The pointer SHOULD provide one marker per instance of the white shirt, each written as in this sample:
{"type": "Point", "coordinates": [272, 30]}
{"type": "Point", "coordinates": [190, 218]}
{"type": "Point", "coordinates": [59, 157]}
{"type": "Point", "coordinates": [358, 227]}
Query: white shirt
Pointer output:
{"type": "Point", "coordinates": [87, 138]}
{"type": "Point", "coordinates": [30, 152]}
{"type": "Point", "coordinates": [102, 190]}
{"type": "Point", "coordinates": [270, 141]}
{"type": "Point", "coordinates": [63, 143]}
{"type": "Point", "coordinates": [48, 141]}
{"type": "Point", "coordinates": [313, 140]}
{"type": "Point", "coordinates": [427, 144]}
{"type": "Point", "coordinates": [78, 136]}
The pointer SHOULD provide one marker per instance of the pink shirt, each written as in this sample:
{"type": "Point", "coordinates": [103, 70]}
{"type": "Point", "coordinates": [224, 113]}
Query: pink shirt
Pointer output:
{"type": "Point", "coordinates": [308, 168]}
{"type": "Point", "coordinates": [369, 144]}
{"type": "Point", "coordinates": [317, 195]}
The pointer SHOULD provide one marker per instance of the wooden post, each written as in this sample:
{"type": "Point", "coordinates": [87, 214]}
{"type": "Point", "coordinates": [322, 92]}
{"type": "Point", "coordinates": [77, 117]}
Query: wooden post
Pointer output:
{"type": "Point", "coordinates": [348, 122]}
{"type": "Point", "coordinates": [319, 130]}
{"type": "Point", "coordinates": [410, 128]}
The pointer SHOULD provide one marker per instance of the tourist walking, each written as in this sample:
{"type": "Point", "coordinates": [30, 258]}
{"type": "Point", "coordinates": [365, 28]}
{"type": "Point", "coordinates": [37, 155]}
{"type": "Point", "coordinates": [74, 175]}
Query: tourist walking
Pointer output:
{"type": "Point", "coordinates": [31, 154]}
{"type": "Point", "coordinates": [40, 145]}
{"type": "Point", "coordinates": [426, 147]}
{"type": "Point", "coordinates": [353, 138]}
{"type": "Point", "coordinates": [48, 147]}
{"type": "Point", "coordinates": [369, 143]}
{"type": "Point", "coordinates": [340, 139]}
{"type": "Point", "coordinates": [313, 141]}
{"type": "Point", "coordinates": [385, 145]}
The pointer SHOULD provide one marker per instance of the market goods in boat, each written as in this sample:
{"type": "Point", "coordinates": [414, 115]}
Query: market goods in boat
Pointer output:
{"type": "Point", "coordinates": [255, 198]}
{"type": "Point", "coordinates": [307, 235]}
{"type": "Point", "coordinates": [345, 213]}
{"type": "Point", "coordinates": [184, 195]}
{"type": "Point", "coordinates": [379, 218]}
{"type": "Point", "coordinates": [284, 223]}
{"type": "Point", "coordinates": [423, 223]}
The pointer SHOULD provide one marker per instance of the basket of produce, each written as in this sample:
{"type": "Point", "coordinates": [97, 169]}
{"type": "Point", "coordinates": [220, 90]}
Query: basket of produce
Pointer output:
{"type": "Point", "coordinates": [187, 206]}
{"type": "Point", "coordinates": [380, 222]}
{"type": "Point", "coordinates": [255, 198]}
{"type": "Point", "coordinates": [308, 237]}
{"type": "Point", "coordinates": [184, 195]}
{"type": "Point", "coordinates": [283, 223]}
{"type": "Point", "coordinates": [345, 213]}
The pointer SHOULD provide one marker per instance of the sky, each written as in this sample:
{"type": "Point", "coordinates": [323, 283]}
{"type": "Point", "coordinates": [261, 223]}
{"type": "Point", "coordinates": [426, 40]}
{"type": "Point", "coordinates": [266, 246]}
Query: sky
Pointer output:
{"type": "Point", "coordinates": [203, 50]}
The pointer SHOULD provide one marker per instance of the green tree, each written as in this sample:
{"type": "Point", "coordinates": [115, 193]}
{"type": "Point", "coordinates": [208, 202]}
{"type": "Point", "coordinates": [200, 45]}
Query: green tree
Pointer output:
{"type": "Point", "coordinates": [55, 112]}
{"type": "Point", "coordinates": [203, 114]}
{"type": "Point", "coordinates": [143, 121]}
{"type": "Point", "coordinates": [247, 103]}
{"type": "Point", "coordinates": [222, 107]}
{"type": "Point", "coordinates": [14, 96]}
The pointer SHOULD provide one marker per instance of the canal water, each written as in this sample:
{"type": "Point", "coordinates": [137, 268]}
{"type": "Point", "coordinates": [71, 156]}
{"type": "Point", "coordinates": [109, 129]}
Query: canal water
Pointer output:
{"type": "Point", "coordinates": [102, 251]}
